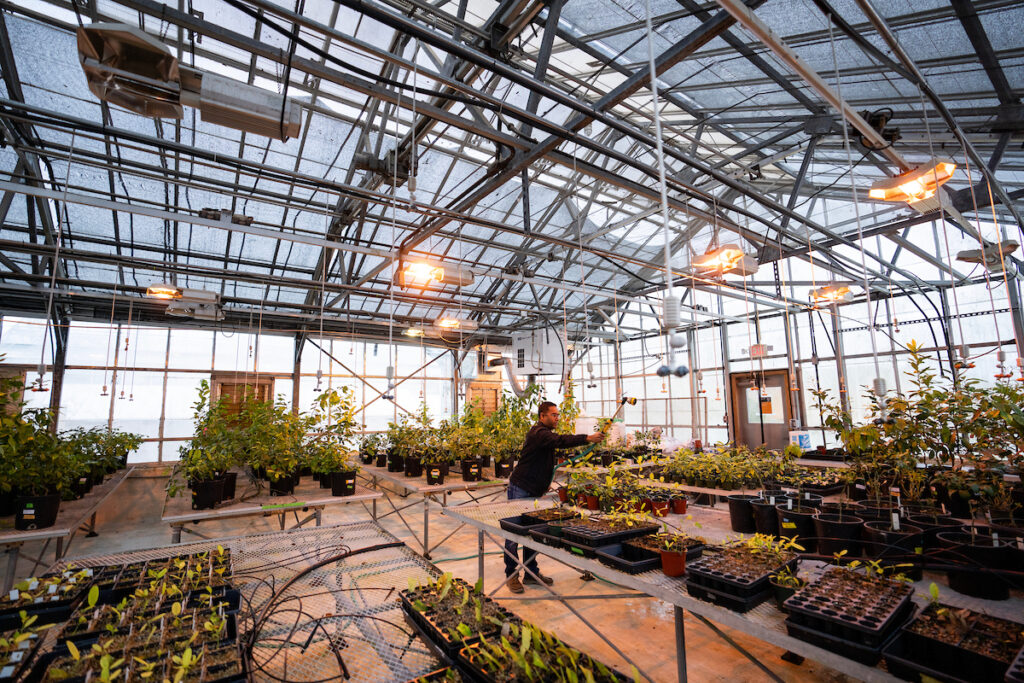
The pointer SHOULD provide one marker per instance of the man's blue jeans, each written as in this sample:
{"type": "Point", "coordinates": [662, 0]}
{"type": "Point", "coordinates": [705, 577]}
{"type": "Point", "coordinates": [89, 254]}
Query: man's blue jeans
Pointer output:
{"type": "Point", "coordinates": [512, 548]}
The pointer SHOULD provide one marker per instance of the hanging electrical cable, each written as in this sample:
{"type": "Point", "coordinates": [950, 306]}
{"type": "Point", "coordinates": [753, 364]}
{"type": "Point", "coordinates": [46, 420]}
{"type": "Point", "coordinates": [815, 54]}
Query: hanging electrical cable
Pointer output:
{"type": "Point", "coordinates": [110, 336]}
{"type": "Point", "coordinates": [878, 384]}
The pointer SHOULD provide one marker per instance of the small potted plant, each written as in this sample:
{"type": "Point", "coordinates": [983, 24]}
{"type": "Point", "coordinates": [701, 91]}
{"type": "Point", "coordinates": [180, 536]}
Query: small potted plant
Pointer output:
{"type": "Point", "coordinates": [785, 583]}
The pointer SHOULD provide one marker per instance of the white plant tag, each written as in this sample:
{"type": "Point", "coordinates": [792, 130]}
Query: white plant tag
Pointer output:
{"type": "Point", "coordinates": [33, 584]}
{"type": "Point", "coordinates": [995, 538]}
{"type": "Point", "coordinates": [51, 589]}
{"type": "Point", "coordinates": [895, 521]}
{"type": "Point", "coordinates": [14, 594]}
{"type": "Point", "coordinates": [860, 487]}
{"type": "Point", "coordinates": [771, 500]}
{"type": "Point", "coordinates": [789, 503]}
{"type": "Point", "coordinates": [807, 495]}
{"type": "Point", "coordinates": [7, 672]}
{"type": "Point", "coordinates": [16, 656]}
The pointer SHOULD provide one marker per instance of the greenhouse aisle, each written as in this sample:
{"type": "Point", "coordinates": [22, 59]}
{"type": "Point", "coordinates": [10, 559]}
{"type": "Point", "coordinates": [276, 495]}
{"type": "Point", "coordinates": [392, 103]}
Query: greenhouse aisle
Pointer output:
{"type": "Point", "coordinates": [639, 627]}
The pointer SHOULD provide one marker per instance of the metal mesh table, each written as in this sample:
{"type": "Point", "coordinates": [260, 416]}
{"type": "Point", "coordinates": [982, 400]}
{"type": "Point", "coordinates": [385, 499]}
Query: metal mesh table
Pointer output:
{"type": "Point", "coordinates": [308, 496]}
{"type": "Point", "coordinates": [477, 491]}
{"type": "Point", "coordinates": [764, 622]}
{"type": "Point", "coordinates": [348, 607]}
{"type": "Point", "coordinates": [74, 516]}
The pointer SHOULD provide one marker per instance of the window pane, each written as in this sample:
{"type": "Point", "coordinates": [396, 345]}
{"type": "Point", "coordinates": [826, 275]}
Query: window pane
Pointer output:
{"type": "Point", "coordinates": [22, 338]}
{"type": "Point", "coordinates": [191, 349]}
{"type": "Point", "coordinates": [182, 391]}
{"type": "Point", "coordinates": [91, 344]}
{"type": "Point", "coordinates": [82, 404]}
{"type": "Point", "coordinates": [276, 353]}
{"type": "Point", "coordinates": [139, 410]}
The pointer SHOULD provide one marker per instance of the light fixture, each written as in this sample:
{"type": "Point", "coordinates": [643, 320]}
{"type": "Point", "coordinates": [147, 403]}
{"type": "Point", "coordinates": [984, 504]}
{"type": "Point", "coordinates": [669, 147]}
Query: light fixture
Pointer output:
{"type": "Point", "coordinates": [130, 68]}
{"type": "Point", "coordinates": [915, 185]}
{"type": "Point", "coordinates": [163, 290]}
{"type": "Point", "coordinates": [423, 274]}
{"type": "Point", "coordinates": [199, 304]}
{"type": "Point", "coordinates": [450, 324]}
{"type": "Point", "coordinates": [728, 258]}
{"type": "Point", "coordinates": [413, 332]}
{"type": "Point", "coordinates": [992, 255]}
{"type": "Point", "coordinates": [831, 294]}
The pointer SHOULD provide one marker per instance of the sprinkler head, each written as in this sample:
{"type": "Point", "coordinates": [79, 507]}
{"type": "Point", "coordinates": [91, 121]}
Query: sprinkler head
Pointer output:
{"type": "Point", "coordinates": [664, 371]}
{"type": "Point", "coordinates": [682, 371]}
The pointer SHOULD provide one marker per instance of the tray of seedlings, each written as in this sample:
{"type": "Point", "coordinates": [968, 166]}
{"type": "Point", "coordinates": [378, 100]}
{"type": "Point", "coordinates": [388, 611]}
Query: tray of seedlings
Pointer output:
{"type": "Point", "coordinates": [585, 536]}
{"type": "Point", "coordinates": [18, 646]}
{"type": "Point", "coordinates": [955, 644]}
{"type": "Point", "coordinates": [644, 553]}
{"type": "Point", "coordinates": [445, 675]}
{"type": "Point", "coordinates": [850, 612]}
{"type": "Point", "coordinates": [552, 533]}
{"type": "Point", "coordinates": [736, 576]}
{"type": "Point", "coordinates": [536, 519]}
{"type": "Point", "coordinates": [51, 597]}
{"type": "Point", "coordinates": [453, 614]}
{"type": "Point", "coordinates": [530, 654]}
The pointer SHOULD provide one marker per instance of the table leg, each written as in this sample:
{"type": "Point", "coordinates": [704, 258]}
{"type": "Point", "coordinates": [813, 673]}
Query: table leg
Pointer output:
{"type": "Point", "coordinates": [680, 645]}
{"type": "Point", "coordinates": [319, 513]}
{"type": "Point", "coordinates": [374, 515]}
{"type": "Point", "coordinates": [480, 557]}
{"type": "Point", "coordinates": [92, 527]}
{"type": "Point", "coordinates": [12, 566]}
{"type": "Point", "coordinates": [58, 550]}
{"type": "Point", "coordinates": [280, 518]}
{"type": "Point", "coordinates": [426, 527]}
{"type": "Point", "coordinates": [175, 534]}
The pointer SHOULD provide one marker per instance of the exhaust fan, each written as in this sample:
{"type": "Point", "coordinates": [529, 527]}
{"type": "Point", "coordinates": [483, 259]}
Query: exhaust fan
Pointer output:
{"type": "Point", "coordinates": [127, 67]}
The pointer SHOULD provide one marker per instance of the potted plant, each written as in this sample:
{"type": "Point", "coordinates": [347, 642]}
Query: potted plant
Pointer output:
{"type": "Point", "coordinates": [37, 465]}
{"type": "Point", "coordinates": [369, 448]}
{"type": "Point", "coordinates": [332, 424]}
{"type": "Point", "coordinates": [785, 583]}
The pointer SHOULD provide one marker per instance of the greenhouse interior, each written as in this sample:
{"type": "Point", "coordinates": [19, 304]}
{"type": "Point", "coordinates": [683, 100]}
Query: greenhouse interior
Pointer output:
{"type": "Point", "coordinates": [511, 340]}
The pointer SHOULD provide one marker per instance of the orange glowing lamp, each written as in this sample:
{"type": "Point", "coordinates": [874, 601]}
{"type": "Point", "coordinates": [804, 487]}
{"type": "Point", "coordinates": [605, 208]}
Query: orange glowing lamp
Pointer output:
{"type": "Point", "coordinates": [728, 258]}
{"type": "Point", "coordinates": [163, 290]}
{"type": "Point", "coordinates": [917, 185]}
{"type": "Point", "coordinates": [831, 294]}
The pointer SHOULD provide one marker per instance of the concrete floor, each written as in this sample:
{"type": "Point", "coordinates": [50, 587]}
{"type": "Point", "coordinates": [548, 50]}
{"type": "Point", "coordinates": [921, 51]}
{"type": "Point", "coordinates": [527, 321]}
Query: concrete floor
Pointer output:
{"type": "Point", "coordinates": [641, 627]}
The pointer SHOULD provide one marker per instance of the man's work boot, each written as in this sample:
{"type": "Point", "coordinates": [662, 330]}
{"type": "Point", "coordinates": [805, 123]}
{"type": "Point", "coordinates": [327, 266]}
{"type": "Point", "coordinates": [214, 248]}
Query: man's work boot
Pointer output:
{"type": "Point", "coordinates": [514, 584]}
{"type": "Point", "coordinates": [546, 579]}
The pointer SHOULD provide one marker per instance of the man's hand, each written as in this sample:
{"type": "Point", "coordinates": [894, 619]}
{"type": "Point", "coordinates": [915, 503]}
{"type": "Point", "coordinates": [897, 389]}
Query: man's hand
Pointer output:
{"type": "Point", "coordinates": [596, 437]}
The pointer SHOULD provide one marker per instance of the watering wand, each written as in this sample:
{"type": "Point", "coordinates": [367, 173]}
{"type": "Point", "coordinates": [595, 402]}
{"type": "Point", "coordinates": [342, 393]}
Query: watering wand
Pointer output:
{"type": "Point", "coordinates": [604, 430]}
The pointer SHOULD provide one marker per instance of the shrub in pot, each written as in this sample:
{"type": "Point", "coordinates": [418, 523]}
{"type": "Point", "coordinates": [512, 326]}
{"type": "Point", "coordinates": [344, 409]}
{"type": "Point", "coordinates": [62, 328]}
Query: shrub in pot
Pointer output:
{"type": "Point", "coordinates": [333, 423]}
{"type": "Point", "coordinates": [370, 448]}
{"type": "Point", "coordinates": [785, 583]}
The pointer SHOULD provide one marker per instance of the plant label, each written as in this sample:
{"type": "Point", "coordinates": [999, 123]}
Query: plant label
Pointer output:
{"type": "Point", "coordinates": [28, 514]}
{"type": "Point", "coordinates": [807, 495]}
{"type": "Point", "coordinates": [37, 600]}
{"type": "Point", "coordinates": [7, 672]}
{"type": "Point", "coordinates": [33, 584]}
{"type": "Point", "coordinates": [771, 500]}
{"type": "Point", "coordinates": [789, 503]}
{"type": "Point", "coordinates": [789, 525]}
{"type": "Point", "coordinates": [995, 538]}
{"type": "Point", "coordinates": [16, 656]}
{"type": "Point", "coordinates": [14, 595]}
{"type": "Point", "coordinates": [895, 521]}
{"type": "Point", "coordinates": [860, 487]}
{"type": "Point", "coordinates": [894, 490]}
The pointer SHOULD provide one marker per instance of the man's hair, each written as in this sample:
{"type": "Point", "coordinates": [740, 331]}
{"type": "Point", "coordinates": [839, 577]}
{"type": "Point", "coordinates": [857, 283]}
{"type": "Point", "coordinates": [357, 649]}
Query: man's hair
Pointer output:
{"type": "Point", "coordinates": [545, 407]}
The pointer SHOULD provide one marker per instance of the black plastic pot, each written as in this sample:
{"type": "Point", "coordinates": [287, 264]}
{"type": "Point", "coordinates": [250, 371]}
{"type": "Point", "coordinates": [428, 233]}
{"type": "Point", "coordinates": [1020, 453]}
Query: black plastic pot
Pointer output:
{"type": "Point", "coordinates": [471, 469]}
{"type": "Point", "coordinates": [840, 508]}
{"type": "Point", "coordinates": [485, 461]}
{"type": "Point", "coordinates": [741, 515]}
{"type": "Point", "coordinates": [1009, 528]}
{"type": "Point", "coordinates": [503, 470]}
{"type": "Point", "coordinates": [876, 509]}
{"type": "Point", "coordinates": [893, 547]}
{"type": "Point", "coordinates": [798, 523]}
{"type": "Point", "coordinates": [323, 479]}
{"type": "Point", "coordinates": [36, 512]}
{"type": "Point", "coordinates": [284, 486]}
{"type": "Point", "coordinates": [858, 490]}
{"type": "Point", "coordinates": [367, 457]}
{"type": "Point", "coordinates": [396, 463]}
{"type": "Point", "coordinates": [931, 525]}
{"type": "Point", "coordinates": [976, 553]}
{"type": "Point", "coordinates": [206, 494]}
{"type": "Point", "coordinates": [436, 472]}
{"type": "Point", "coordinates": [765, 519]}
{"type": "Point", "coordinates": [413, 466]}
{"type": "Point", "coordinates": [343, 483]}
{"type": "Point", "coordinates": [837, 533]}
{"type": "Point", "coordinates": [230, 481]}
{"type": "Point", "coordinates": [382, 459]}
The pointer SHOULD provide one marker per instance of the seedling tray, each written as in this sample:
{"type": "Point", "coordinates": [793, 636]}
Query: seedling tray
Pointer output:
{"type": "Point", "coordinates": [629, 559]}
{"type": "Point", "coordinates": [471, 671]}
{"type": "Point", "coordinates": [727, 599]}
{"type": "Point", "coordinates": [546, 538]}
{"type": "Point", "coordinates": [729, 584]}
{"type": "Point", "coordinates": [815, 607]}
{"type": "Point", "coordinates": [530, 517]}
{"type": "Point", "coordinates": [586, 551]}
{"type": "Point", "coordinates": [595, 538]}
{"type": "Point", "coordinates": [521, 524]}
{"type": "Point", "coordinates": [864, 654]}
{"type": "Point", "coordinates": [17, 661]}
{"type": "Point", "coordinates": [901, 662]}
{"type": "Point", "coordinates": [956, 661]}
{"type": "Point", "coordinates": [1015, 674]}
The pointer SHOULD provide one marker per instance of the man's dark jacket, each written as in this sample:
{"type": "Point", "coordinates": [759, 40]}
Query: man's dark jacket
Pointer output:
{"type": "Point", "coordinates": [536, 466]}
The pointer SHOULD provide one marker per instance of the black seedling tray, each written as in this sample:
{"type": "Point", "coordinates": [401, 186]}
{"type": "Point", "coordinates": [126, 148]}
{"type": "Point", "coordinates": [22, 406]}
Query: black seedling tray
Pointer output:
{"type": "Point", "coordinates": [729, 584]}
{"type": "Point", "coordinates": [521, 524]}
{"type": "Point", "coordinates": [14, 669]}
{"type": "Point", "coordinates": [546, 538]}
{"type": "Point", "coordinates": [586, 551]}
{"type": "Point", "coordinates": [1015, 674]}
{"type": "Point", "coordinates": [593, 538]}
{"type": "Point", "coordinates": [900, 662]}
{"type": "Point", "coordinates": [629, 559]}
{"type": "Point", "coordinates": [473, 673]}
{"type": "Point", "coordinates": [959, 663]}
{"type": "Point", "coordinates": [824, 618]}
{"type": "Point", "coordinates": [857, 652]}
{"type": "Point", "coordinates": [529, 518]}
{"type": "Point", "coordinates": [727, 599]}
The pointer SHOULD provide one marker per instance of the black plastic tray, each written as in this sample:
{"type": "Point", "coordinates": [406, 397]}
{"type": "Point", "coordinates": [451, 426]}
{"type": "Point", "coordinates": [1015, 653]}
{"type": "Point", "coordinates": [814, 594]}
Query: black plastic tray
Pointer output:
{"type": "Point", "coordinates": [584, 537]}
{"type": "Point", "coordinates": [519, 525]}
{"type": "Point", "coordinates": [856, 651]}
{"type": "Point", "coordinates": [727, 599]}
{"type": "Point", "coordinates": [471, 672]}
{"type": "Point", "coordinates": [871, 635]}
{"type": "Point", "coordinates": [901, 662]}
{"type": "Point", "coordinates": [529, 519]}
{"type": "Point", "coordinates": [738, 588]}
{"type": "Point", "coordinates": [545, 538]}
{"type": "Point", "coordinates": [586, 551]}
{"type": "Point", "coordinates": [629, 559]}
{"type": "Point", "coordinates": [1015, 674]}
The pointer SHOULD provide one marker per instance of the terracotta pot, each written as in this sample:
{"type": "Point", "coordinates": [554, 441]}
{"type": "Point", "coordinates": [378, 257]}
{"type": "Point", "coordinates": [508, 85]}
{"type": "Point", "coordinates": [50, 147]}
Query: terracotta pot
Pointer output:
{"type": "Point", "coordinates": [673, 563]}
{"type": "Point", "coordinates": [592, 502]}
{"type": "Point", "coordinates": [679, 506]}
{"type": "Point", "coordinates": [563, 494]}
{"type": "Point", "coordinates": [660, 508]}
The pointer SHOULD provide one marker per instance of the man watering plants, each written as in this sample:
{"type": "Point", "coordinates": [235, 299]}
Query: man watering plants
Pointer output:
{"type": "Point", "coordinates": [531, 478]}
